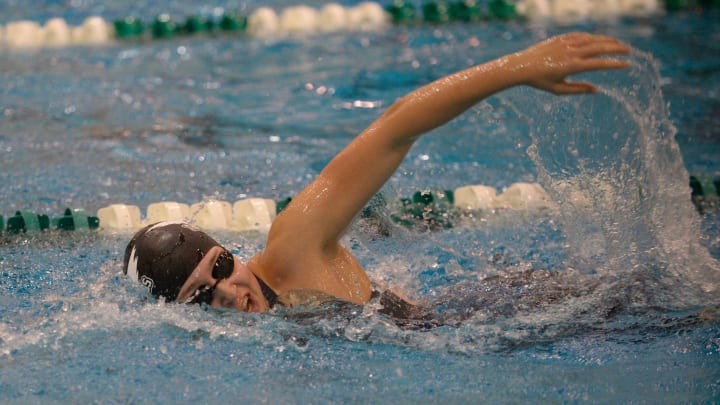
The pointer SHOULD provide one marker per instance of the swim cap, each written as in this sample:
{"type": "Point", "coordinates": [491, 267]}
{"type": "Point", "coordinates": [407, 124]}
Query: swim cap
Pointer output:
{"type": "Point", "coordinates": [162, 256]}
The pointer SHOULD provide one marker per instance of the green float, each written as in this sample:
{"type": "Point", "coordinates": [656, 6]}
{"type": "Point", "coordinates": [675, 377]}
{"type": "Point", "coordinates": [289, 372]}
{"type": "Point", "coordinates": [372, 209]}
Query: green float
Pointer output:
{"type": "Point", "coordinates": [431, 209]}
{"type": "Point", "coordinates": [75, 219]}
{"type": "Point", "coordinates": [402, 12]}
{"type": "Point", "coordinates": [128, 27]}
{"type": "Point", "coordinates": [233, 22]}
{"type": "Point", "coordinates": [705, 186]}
{"type": "Point", "coordinates": [197, 24]}
{"type": "Point", "coordinates": [164, 27]}
{"type": "Point", "coordinates": [25, 221]}
{"type": "Point", "coordinates": [466, 11]}
{"type": "Point", "coordinates": [678, 5]}
{"type": "Point", "coordinates": [502, 9]}
{"type": "Point", "coordinates": [436, 12]}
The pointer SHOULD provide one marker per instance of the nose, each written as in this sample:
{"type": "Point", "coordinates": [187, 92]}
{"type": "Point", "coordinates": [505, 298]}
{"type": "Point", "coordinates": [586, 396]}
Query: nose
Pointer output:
{"type": "Point", "coordinates": [224, 294]}
{"type": "Point", "coordinates": [229, 293]}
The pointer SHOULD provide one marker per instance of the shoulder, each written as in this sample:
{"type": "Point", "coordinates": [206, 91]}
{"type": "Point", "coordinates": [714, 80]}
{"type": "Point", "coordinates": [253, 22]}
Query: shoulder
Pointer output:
{"type": "Point", "coordinates": [336, 273]}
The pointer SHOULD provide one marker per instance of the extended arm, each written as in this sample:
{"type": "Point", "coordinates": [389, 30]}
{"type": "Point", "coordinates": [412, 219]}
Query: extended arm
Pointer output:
{"type": "Point", "coordinates": [302, 250]}
{"type": "Point", "coordinates": [327, 206]}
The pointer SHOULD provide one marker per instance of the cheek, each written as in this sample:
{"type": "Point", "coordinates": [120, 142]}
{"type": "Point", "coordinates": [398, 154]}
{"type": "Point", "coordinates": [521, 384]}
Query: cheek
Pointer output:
{"type": "Point", "coordinates": [242, 275]}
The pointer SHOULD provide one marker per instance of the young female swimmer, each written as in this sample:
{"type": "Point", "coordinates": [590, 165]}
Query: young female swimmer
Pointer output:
{"type": "Point", "coordinates": [303, 252]}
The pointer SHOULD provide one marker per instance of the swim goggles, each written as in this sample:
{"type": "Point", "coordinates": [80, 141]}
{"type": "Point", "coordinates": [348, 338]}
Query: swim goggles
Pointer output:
{"type": "Point", "coordinates": [222, 269]}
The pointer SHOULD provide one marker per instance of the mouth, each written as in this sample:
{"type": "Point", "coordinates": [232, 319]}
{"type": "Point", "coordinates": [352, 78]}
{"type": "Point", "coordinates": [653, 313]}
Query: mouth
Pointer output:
{"type": "Point", "coordinates": [247, 304]}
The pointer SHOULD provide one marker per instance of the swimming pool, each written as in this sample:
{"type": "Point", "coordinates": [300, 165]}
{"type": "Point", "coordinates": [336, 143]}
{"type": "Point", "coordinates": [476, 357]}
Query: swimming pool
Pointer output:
{"type": "Point", "coordinates": [191, 119]}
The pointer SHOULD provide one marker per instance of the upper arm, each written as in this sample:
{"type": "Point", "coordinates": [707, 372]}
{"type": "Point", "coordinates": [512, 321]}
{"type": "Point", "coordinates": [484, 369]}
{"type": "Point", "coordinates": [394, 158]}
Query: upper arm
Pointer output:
{"type": "Point", "coordinates": [321, 212]}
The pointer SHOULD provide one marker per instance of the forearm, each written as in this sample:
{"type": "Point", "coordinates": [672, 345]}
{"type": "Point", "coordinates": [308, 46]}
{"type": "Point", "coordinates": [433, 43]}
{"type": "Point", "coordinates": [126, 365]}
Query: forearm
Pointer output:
{"type": "Point", "coordinates": [544, 66]}
{"type": "Point", "coordinates": [437, 103]}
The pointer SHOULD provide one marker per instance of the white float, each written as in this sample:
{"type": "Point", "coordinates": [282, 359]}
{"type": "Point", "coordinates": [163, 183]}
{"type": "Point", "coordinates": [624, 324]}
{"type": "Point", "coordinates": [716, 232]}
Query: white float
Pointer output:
{"type": "Point", "coordinates": [23, 35]}
{"type": "Point", "coordinates": [332, 18]}
{"type": "Point", "coordinates": [212, 215]}
{"type": "Point", "coordinates": [167, 211]}
{"type": "Point", "coordinates": [367, 16]}
{"type": "Point", "coordinates": [263, 22]}
{"type": "Point", "coordinates": [570, 11]}
{"type": "Point", "coordinates": [254, 214]}
{"type": "Point", "coordinates": [523, 196]}
{"type": "Point", "coordinates": [93, 31]}
{"type": "Point", "coordinates": [298, 20]}
{"type": "Point", "coordinates": [56, 33]}
{"type": "Point", "coordinates": [119, 216]}
{"type": "Point", "coordinates": [475, 197]}
{"type": "Point", "coordinates": [640, 8]}
{"type": "Point", "coordinates": [534, 10]}
{"type": "Point", "coordinates": [605, 10]}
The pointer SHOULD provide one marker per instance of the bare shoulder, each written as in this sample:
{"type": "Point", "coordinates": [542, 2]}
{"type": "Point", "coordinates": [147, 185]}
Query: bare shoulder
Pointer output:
{"type": "Point", "coordinates": [335, 272]}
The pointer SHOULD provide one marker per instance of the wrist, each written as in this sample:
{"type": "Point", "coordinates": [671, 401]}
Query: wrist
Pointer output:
{"type": "Point", "coordinates": [517, 69]}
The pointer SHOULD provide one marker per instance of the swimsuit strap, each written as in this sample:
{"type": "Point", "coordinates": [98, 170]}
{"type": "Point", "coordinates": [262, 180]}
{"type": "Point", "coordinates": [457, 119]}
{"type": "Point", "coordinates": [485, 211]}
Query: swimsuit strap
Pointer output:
{"type": "Point", "coordinates": [268, 293]}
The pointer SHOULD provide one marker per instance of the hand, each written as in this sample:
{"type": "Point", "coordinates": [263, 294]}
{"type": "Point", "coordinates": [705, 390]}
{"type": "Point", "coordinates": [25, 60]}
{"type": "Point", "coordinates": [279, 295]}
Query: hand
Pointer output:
{"type": "Point", "coordinates": [548, 63]}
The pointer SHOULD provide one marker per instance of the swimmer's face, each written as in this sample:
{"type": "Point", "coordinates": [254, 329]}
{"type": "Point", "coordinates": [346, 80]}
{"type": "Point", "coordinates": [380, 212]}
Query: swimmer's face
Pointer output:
{"type": "Point", "coordinates": [221, 280]}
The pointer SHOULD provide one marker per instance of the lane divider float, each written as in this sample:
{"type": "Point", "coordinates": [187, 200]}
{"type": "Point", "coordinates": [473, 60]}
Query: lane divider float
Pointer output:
{"type": "Point", "coordinates": [332, 17]}
{"type": "Point", "coordinates": [428, 208]}
{"type": "Point", "coordinates": [257, 214]}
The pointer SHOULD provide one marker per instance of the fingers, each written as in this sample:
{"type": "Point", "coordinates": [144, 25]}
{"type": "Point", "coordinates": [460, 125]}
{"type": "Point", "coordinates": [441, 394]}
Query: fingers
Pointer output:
{"type": "Point", "coordinates": [592, 47]}
{"type": "Point", "coordinates": [604, 47]}
{"type": "Point", "coordinates": [589, 45]}
{"type": "Point", "coordinates": [572, 54]}
{"type": "Point", "coordinates": [600, 44]}
{"type": "Point", "coordinates": [581, 38]}
{"type": "Point", "coordinates": [604, 64]}
{"type": "Point", "coordinates": [573, 88]}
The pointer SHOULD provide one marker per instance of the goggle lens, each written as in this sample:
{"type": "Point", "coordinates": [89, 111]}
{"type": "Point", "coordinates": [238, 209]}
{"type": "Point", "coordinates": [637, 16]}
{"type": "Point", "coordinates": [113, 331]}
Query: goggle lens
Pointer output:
{"type": "Point", "coordinates": [222, 269]}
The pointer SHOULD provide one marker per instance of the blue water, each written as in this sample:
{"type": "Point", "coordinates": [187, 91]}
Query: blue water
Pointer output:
{"type": "Point", "coordinates": [195, 118]}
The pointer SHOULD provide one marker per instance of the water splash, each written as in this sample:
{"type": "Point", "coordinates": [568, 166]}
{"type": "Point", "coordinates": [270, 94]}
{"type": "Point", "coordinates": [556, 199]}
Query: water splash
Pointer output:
{"type": "Point", "coordinates": [612, 164]}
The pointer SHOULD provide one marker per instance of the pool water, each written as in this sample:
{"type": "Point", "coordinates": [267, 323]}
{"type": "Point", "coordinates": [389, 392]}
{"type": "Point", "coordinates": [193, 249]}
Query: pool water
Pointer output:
{"type": "Point", "coordinates": [191, 119]}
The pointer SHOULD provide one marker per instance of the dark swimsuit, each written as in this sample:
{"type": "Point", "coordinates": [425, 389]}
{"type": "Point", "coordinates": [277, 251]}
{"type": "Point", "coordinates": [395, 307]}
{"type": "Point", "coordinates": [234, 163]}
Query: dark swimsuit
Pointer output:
{"type": "Point", "coordinates": [268, 293]}
{"type": "Point", "coordinates": [495, 296]}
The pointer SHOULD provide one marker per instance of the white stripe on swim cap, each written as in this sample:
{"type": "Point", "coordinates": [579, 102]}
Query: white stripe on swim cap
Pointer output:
{"type": "Point", "coordinates": [132, 266]}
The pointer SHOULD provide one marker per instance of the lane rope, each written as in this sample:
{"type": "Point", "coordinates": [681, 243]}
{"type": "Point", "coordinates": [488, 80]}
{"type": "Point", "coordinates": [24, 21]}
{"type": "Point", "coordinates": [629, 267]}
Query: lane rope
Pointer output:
{"type": "Point", "coordinates": [429, 208]}
{"type": "Point", "coordinates": [332, 17]}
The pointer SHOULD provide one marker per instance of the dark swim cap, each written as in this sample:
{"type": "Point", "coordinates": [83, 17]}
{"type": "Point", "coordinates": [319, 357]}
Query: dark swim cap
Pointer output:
{"type": "Point", "coordinates": [163, 255]}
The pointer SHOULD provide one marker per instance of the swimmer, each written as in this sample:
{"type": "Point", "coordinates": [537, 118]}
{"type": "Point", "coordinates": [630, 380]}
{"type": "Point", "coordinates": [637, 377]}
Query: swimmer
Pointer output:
{"type": "Point", "coordinates": [303, 257]}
